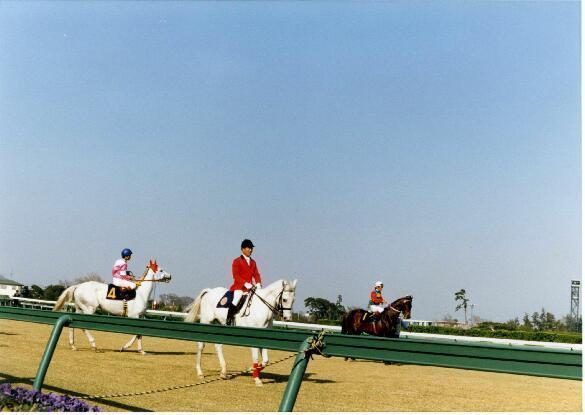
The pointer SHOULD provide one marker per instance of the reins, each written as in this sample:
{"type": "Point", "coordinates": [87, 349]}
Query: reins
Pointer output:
{"type": "Point", "coordinates": [276, 310]}
{"type": "Point", "coordinates": [142, 279]}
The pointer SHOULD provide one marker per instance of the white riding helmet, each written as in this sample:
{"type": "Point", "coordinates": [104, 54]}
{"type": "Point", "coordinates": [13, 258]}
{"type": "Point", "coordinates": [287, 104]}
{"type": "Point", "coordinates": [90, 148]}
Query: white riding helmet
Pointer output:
{"type": "Point", "coordinates": [378, 284]}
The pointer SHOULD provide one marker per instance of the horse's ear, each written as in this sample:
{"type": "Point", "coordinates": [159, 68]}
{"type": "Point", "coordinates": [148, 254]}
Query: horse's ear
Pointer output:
{"type": "Point", "coordinates": [294, 284]}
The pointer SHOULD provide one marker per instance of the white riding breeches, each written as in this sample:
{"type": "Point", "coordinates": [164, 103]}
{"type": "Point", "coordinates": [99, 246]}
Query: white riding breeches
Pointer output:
{"type": "Point", "coordinates": [237, 295]}
{"type": "Point", "coordinates": [376, 308]}
{"type": "Point", "coordinates": [119, 282]}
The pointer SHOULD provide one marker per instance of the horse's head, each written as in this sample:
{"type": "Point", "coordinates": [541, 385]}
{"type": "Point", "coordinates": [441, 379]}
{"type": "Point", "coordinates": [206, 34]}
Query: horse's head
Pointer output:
{"type": "Point", "coordinates": [404, 305]}
{"type": "Point", "coordinates": [287, 298]}
{"type": "Point", "coordinates": [158, 273]}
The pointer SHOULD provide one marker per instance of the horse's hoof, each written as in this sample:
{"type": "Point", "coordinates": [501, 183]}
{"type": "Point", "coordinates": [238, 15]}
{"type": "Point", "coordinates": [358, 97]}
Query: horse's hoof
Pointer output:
{"type": "Point", "coordinates": [122, 350]}
{"type": "Point", "coordinates": [142, 352]}
{"type": "Point", "coordinates": [258, 382]}
{"type": "Point", "coordinates": [73, 348]}
{"type": "Point", "coordinates": [223, 376]}
{"type": "Point", "coordinates": [200, 376]}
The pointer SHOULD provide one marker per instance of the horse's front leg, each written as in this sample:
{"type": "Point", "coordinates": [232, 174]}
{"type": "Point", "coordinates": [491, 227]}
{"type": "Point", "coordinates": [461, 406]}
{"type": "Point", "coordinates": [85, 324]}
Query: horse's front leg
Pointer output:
{"type": "Point", "coordinates": [256, 368]}
{"type": "Point", "coordinates": [130, 343]}
{"type": "Point", "coordinates": [264, 357]}
{"type": "Point", "coordinates": [219, 351]}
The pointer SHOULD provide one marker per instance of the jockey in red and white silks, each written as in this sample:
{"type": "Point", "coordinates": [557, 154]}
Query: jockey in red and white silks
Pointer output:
{"type": "Point", "coordinates": [120, 274]}
{"type": "Point", "coordinates": [376, 299]}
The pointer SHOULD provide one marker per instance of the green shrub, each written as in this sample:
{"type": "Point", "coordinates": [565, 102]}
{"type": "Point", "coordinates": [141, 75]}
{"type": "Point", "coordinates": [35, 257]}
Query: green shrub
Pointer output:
{"type": "Point", "coordinates": [541, 336]}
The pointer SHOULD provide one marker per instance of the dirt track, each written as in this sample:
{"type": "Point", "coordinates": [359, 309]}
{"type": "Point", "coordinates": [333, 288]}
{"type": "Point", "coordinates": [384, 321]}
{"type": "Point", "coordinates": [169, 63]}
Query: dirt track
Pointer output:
{"type": "Point", "coordinates": [330, 384]}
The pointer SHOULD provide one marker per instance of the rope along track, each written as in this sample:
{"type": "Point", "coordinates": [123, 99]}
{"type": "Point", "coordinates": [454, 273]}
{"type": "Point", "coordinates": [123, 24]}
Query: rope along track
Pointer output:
{"type": "Point", "coordinates": [315, 347]}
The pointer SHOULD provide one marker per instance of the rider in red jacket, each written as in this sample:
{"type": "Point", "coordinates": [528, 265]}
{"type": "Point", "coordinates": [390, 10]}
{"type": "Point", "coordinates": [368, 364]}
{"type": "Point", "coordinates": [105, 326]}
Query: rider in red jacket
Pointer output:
{"type": "Point", "coordinates": [246, 275]}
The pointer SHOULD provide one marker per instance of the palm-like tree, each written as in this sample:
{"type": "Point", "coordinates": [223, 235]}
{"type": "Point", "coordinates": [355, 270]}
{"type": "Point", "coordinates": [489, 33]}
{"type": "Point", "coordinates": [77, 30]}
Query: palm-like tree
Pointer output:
{"type": "Point", "coordinates": [461, 296]}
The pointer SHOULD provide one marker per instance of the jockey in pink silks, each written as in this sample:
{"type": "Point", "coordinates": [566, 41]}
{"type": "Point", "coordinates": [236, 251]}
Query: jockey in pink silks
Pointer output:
{"type": "Point", "coordinates": [121, 276]}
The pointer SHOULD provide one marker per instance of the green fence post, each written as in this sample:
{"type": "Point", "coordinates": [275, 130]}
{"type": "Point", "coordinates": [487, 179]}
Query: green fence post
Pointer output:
{"type": "Point", "coordinates": [46, 359]}
{"type": "Point", "coordinates": [296, 377]}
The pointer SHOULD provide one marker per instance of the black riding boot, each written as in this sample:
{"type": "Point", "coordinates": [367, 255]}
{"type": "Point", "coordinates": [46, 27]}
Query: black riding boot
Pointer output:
{"type": "Point", "coordinates": [231, 313]}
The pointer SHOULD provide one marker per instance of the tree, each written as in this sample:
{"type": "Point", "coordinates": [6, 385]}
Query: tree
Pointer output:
{"type": "Point", "coordinates": [460, 296]}
{"type": "Point", "coordinates": [36, 292]}
{"type": "Point", "coordinates": [321, 308]}
{"type": "Point", "coordinates": [572, 323]}
{"type": "Point", "coordinates": [526, 324]}
{"type": "Point", "coordinates": [52, 292]}
{"type": "Point", "coordinates": [25, 292]}
{"type": "Point", "coordinates": [92, 276]}
{"type": "Point", "coordinates": [339, 308]}
{"type": "Point", "coordinates": [173, 302]}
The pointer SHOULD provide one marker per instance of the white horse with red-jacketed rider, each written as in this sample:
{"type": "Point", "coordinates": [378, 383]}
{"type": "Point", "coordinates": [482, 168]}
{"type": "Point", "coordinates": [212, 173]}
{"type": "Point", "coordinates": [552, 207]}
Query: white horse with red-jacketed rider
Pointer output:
{"type": "Point", "coordinates": [265, 303]}
{"type": "Point", "coordinates": [90, 295]}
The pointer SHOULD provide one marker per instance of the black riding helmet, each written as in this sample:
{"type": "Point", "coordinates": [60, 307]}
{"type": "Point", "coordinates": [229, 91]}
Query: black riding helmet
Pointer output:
{"type": "Point", "coordinates": [246, 243]}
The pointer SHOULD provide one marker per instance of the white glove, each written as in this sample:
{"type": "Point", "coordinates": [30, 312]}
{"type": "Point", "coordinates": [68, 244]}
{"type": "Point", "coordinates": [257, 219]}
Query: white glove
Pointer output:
{"type": "Point", "coordinates": [247, 285]}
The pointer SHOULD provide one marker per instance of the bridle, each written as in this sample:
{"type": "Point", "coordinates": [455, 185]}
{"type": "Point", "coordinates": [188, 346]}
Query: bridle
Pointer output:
{"type": "Point", "coordinates": [166, 278]}
{"type": "Point", "coordinates": [394, 308]}
{"type": "Point", "coordinates": [278, 310]}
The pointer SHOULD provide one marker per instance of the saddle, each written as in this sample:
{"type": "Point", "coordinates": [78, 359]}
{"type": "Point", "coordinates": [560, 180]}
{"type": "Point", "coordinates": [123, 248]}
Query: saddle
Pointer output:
{"type": "Point", "coordinates": [227, 299]}
{"type": "Point", "coordinates": [370, 317]}
{"type": "Point", "coordinates": [120, 293]}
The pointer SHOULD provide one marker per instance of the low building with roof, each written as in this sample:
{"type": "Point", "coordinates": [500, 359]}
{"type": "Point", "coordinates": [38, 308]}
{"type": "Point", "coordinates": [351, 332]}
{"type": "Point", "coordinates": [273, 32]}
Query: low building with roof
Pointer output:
{"type": "Point", "coordinates": [8, 287]}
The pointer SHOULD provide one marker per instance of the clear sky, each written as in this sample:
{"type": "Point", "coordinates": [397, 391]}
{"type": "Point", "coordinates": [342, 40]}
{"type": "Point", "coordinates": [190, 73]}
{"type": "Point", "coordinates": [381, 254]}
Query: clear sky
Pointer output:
{"type": "Point", "coordinates": [431, 145]}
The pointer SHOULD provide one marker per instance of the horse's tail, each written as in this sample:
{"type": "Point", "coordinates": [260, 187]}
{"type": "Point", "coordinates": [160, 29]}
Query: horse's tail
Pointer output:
{"type": "Point", "coordinates": [345, 323]}
{"type": "Point", "coordinates": [348, 322]}
{"type": "Point", "coordinates": [66, 296]}
{"type": "Point", "coordinates": [194, 308]}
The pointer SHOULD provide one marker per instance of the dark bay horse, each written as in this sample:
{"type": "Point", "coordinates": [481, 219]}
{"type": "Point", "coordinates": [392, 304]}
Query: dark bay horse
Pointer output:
{"type": "Point", "coordinates": [384, 326]}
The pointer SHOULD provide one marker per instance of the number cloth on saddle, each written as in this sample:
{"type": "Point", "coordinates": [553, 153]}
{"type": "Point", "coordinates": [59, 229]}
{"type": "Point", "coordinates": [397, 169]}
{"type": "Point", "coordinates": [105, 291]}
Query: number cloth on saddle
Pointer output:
{"type": "Point", "coordinates": [227, 299]}
{"type": "Point", "coordinates": [117, 293]}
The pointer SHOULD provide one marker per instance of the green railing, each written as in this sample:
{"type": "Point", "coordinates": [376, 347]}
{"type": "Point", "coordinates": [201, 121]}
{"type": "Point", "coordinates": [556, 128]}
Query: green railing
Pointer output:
{"type": "Point", "coordinates": [525, 360]}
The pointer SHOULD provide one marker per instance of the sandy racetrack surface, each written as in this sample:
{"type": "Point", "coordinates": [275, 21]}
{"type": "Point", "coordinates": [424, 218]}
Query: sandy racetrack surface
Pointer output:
{"type": "Point", "coordinates": [329, 385]}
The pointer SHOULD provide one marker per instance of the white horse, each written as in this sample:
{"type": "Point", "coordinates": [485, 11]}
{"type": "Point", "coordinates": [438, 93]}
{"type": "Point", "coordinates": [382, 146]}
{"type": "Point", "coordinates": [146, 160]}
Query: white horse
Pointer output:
{"type": "Point", "coordinates": [90, 295]}
{"type": "Point", "coordinates": [265, 303]}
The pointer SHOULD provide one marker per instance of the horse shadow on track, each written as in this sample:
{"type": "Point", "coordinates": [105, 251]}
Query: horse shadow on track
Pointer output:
{"type": "Point", "coordinates": [148, 352]}
{"type": "Point", "coordinates": [6, 378]}
{"type": "Point", "coordinates": [276, 378]}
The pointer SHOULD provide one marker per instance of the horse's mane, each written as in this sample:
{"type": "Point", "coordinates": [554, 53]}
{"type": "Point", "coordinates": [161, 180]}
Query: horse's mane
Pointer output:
{"type": "Point", "coordinates": [273, 285]}
{"type": "Point", "coordinates": [408, 297]}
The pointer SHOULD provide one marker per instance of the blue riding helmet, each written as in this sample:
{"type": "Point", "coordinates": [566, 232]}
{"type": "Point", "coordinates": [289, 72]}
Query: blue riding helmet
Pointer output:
{"type": "Point", "coordinates": [126, 252]}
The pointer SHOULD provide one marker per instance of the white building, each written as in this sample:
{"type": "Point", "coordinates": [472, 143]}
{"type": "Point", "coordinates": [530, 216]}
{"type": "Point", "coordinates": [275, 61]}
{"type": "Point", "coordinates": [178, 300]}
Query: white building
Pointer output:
{"type": "Point", "coordinates": [9, 287]}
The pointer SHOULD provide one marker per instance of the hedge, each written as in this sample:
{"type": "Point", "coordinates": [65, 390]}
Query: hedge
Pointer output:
{"type": "Point", "coordinates": [540, 336]}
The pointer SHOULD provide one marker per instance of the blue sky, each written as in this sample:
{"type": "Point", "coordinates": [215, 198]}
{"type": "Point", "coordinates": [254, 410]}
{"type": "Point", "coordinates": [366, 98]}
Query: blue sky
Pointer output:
{"type": "Point", "coordinates": [431, 145]}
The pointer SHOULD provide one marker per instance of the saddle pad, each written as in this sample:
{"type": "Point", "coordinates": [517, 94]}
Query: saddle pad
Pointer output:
{"type": "Point", "coordinates": [227, 299]}
{"type": "Point", "coordinates": [116, 293]}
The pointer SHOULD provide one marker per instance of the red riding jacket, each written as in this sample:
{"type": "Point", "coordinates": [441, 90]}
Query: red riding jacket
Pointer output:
{"type": "Point", "coordinates": [242, 273]}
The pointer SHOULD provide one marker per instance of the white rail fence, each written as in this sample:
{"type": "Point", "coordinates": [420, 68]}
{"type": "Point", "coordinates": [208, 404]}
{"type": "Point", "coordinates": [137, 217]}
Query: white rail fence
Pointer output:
{"type": "Point", "coordinates": [47, 305]}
